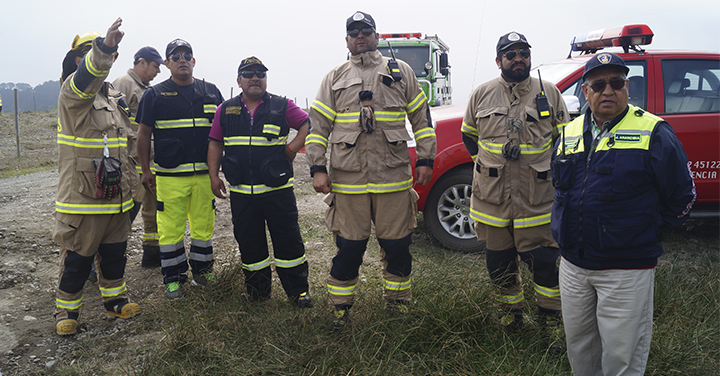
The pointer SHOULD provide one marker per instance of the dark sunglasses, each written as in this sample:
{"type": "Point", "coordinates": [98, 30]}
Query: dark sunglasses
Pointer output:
{"type": "Point", "coordinates": [251, 73]}
{"type": "Point", "coordinates": [615, 83]}
{"type": "Point", "coordinates": [524, 53]}
{"type": "Point", "coordinates": [176, 56]}
{"type": "Point", "coordinates": [355, 32]}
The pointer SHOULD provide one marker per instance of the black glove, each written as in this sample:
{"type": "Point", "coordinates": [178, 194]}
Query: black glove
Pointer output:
{"type": "Point", "coordinates": [107, 177]}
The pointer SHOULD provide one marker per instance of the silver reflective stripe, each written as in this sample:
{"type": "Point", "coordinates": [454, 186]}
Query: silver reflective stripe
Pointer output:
{"type": "Point", "coordinates": [201, 256]}
{"type": "Point", "coordinates": [257, 266]}
{"type": "Point", "coordinates": [201, 243]}
{"type": "Point", "coordinates": [290, 263]}
{"type": "Point", "coordinates": [337, 290]}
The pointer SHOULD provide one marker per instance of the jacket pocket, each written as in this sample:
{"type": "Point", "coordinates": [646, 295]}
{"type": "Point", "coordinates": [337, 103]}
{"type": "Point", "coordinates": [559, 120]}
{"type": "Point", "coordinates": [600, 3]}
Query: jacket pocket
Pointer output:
{"type": "Point", "coordinates": [169, 153]}
{"type": "Point", "coordinates": [563, 225]}
{"type": "Point", "coordinates": [629, 174]}
{"type": "Point", "coordinates": [330, 221]}
{"type": "Point", "coordinates": [412, 214]}
{"type": "Point", "coordinates": [276, 171]}
{"type": "Point", "coordinates": [617, 234]}
{"type": "Point", "coordinates": [66, 229]}
{"type": "Point", "coordinates": [343, 153]}
{"type": "Point", "coordinates": [397, 149]}
{"type": "Point", "coordinates": [231, 169]}
{"type": "Point", "coordinates": [86, 176]}
{"type": "Point", "coordinates": [541, 189]}
{"type": "Point", "coordinates": [491, 123]}
{"type": "Point", "coordinates": [347, 94]}
{"type": "Point", "coordinates": [489, 184]}
{"type": "Point", "coordinates": [563, 170]}
{"type": "Point", "coordinates": [393, 96]}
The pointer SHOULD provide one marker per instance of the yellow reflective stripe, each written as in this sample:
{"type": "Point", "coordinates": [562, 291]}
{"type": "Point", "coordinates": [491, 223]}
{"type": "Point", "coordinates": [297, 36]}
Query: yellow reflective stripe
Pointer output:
{"type": "Point", "coordinates": [316, 139]}
{"type": "Point", "coordinates": [415, 104]}
{"type": "Point", "coordinates": [547, 291]}
{"type": "Point", "coordinates": [259, 188]}
{"type": "Point", "coordinates": [90, 68]}
{"type": "Point", "coordinates": [488, 219]}
{"type": "Point", "coordinates": [532, 221]}
{"type": "Point", "coordinates": [257, 266]}
{"type": "Point", "coordinates": [79, 92]}
{"type": "Point", "coordinates": [396, 286]}
{"type": "Point", "coordinates": [371, 187]}
{"type": "Point", "coordinates": [150, 236]}
{"type": "Point", "coordinates": [69, 208]}
{"type": "Point", "coordinates": [323, 109]}
{"type": "Point", "coordinates": [532, 149]}
{"type": "Point", "coordinates": [68, 304]}
{"type": "Point", "coordinates": [510, 299]}
{"type": "Point", "coordinates": [182, 123]}
{"type": "Point", "coordinates": [254, 141]}
{"type": "Point", "coordinates": [271, 129]}
{"type": "Point", "coordinates": [290, 263]}
{"type": "Point", "coordinates": [468, 129]}
{"type": "Point", "coordinates": [347, 117]}
{"type": "Point", "coordinates": [389, 115]}
{"type": "Point", "coordinates": [185, 167]}
{"type": "Point", "coordinates": [209, 108]}
{"type": "Point", "coordinates": [90, 143]}
{"type": "Point", "coordinates": [337, 290]}
{"type": "Point", "coordinates": [560, 128]}
{"type": "Point", "coordinates": [109, 293]}
{"type": "Point", "coordinates": [424, 132]}
{"type": "Point", "coordinates": [492, 147]}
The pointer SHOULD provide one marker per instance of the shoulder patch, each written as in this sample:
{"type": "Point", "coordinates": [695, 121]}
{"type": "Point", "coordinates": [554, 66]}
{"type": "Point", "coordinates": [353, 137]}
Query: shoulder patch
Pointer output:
{"type": "Point", "coordinates": [168, 93]}
{"type": "Point", "coordinates": [233, 110]}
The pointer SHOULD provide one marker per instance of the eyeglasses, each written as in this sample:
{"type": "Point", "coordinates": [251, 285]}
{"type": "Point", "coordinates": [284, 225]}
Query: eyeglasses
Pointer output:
{"type": "Point", "coordinates": [355, 32]}
{"type": "Point", "coordinates": [251, 73]}
{"type": "Point", "coordinates": [616, 83]}
{"type": "Point", "coordinates": [185, 55]}
{"type": "Point", "coordinates": [524, 53]}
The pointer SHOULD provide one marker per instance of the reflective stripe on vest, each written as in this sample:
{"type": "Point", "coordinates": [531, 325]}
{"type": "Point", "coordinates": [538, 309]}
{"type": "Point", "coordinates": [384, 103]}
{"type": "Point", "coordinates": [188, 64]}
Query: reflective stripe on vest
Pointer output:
{"type": "Point", "coordinates": [182, 123]}
{"type": "Point", "coordinates": [186, 167]}
{"type": "Point", "coordinates": [254, 141]}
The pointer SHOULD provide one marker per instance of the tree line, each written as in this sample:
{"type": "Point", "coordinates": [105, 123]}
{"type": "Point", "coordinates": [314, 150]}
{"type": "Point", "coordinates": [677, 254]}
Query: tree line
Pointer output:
{"type": "Point", "coordinates": [43, 97]}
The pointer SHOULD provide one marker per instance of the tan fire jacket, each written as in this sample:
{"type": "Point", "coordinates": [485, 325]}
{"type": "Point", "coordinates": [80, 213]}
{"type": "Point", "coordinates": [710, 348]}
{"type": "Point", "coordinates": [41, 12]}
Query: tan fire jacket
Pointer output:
{"type": "Point", "coordinates": [519, 192]}
{"type": "Point", "coordinates": [133, 88]}
{"type": "Point", "coordinates": [89, 119]}
{"type": "Point", "coordinates": [377, 162]}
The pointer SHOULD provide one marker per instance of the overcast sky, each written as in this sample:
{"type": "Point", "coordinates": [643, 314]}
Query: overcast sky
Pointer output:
{"type": "Point", "coordinates": [300, 41]}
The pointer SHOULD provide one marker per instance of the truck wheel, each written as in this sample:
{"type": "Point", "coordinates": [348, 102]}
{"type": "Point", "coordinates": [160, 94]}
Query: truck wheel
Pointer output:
{"type": "Point", "coordinates": [447, 212]}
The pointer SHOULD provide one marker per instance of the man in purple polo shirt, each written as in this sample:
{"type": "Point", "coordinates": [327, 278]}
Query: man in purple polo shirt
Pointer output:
{"type": "Point", "coordinates": [248, 139]}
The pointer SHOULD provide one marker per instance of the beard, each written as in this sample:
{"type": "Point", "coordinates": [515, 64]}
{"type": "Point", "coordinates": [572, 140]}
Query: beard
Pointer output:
{"type": "Point", "coordinates": [517, 75]}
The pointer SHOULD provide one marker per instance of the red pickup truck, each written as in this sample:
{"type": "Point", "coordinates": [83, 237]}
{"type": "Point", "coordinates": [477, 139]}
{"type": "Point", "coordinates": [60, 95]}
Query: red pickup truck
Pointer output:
{"type": "Point", "coordinates": [682, 87]}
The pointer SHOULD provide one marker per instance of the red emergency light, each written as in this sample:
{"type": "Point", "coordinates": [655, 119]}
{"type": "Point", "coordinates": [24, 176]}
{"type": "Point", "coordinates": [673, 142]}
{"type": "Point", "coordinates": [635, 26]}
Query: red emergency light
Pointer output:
{"type": "Point", "coordinates": [628, 37]}
{"type": "Point", "coordinates": [401, 35]}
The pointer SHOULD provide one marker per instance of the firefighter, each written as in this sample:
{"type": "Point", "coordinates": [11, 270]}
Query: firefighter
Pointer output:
{"type": "Point", "coordinates": [359, 114]}
{"type": "Point", "coordinates": [146, 66]}
{"type": "Point", "coordinates": [178, 113]}
{"type": "Point", "coordinates": [96, 177]}
{"type": "Point", "coordinates": [253, 129]}
{"type": "Point", "coordinates": [621, 174]}
{"type": "Point", "coordinates": [508, 129]}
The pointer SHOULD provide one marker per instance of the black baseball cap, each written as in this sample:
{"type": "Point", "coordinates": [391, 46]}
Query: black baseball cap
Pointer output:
{"type": "Point", "coordinates": [249, 62]}
{"type": "Point", "coordinates": [603, 60]}
{"type": "Point", "coordinates": [149, 54]}
{"type": "Point", "coordinates": [175, 44]}
{"type": "Point", "coordinates": [360, 17]}
{"type": "Point", "coordinates": [510, 39]}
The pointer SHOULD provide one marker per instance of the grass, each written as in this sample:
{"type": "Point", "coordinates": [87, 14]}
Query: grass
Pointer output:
{"type": "Point", "coordinates": [452, 330]}
{"type": "Point", "coordinates": [38, 147]}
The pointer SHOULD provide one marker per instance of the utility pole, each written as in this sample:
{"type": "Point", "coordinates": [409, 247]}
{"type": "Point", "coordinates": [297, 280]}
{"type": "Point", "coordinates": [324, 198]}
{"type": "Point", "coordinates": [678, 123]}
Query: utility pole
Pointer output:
{"type": "Point", "coordinates": [17, 125]}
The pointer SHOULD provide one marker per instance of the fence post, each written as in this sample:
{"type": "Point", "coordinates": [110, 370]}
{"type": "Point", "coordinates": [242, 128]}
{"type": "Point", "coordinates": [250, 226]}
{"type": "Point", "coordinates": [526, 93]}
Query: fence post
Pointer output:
{"type": "Point", "coordinates": [17, 126]}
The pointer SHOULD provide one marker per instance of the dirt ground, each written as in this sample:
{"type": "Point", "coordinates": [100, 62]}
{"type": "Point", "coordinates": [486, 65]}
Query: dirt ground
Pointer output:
{"type": "Point", "coordinates": [29, 267]}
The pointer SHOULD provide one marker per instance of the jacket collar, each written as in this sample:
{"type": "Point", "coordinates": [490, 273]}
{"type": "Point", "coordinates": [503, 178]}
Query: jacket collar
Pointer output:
{"type": "Point", "coordinates": [518, 88]}
{"type": "Point", "coordinates": [367, 59]}
{"type": "Point", "coordinates": [137, 79]}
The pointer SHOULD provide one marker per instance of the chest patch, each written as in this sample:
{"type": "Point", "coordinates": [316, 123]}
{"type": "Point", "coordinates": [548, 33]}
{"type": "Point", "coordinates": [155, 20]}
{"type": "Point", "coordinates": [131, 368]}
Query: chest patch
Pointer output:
{"type": "Point", "coordinates": [168, 93]}
{"type": "Point", "coordinates": [234, 110]}
{"type": "Point", "coordinates": [627, 137]}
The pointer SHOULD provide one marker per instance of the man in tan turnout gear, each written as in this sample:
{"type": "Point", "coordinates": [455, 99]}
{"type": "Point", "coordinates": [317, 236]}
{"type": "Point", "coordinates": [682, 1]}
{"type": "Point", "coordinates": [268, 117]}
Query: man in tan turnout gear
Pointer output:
{"type": "Point", "coordinates": [359, 114]}
{"type": "Point", "coordinates": [146, 66]}
{"type": "Point", "coordinates": [96, 180]}
{"type": "Point", "coordinates": [508, 128]}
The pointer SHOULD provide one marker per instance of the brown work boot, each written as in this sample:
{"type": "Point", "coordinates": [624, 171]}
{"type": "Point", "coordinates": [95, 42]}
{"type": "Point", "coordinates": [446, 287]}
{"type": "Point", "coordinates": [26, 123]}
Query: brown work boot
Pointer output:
{"type": "Point", "coordinates": [340, 317]}
{"type": "Point", "coordinates": [511, 321]}
{"type": "Point", "coordinates": [122, 309]}
{"type": "Point", "coordinates": [67, 326]}
{"type": "Point", "coordinates": [551, 326]}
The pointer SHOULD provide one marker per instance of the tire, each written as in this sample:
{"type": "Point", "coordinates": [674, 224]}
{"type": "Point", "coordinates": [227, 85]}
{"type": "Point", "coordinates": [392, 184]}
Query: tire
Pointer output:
{"type": "Point", "coordinates": [447, 212]}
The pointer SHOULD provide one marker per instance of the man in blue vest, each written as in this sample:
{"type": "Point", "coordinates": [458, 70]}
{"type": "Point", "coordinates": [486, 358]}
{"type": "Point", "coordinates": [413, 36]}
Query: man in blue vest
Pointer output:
{"type": "Point", "coordinates": [178, 113]}
{"type": "Point", "coordinates": [621, 175]}
{"type": "Point", "coordinates": [252, 129]}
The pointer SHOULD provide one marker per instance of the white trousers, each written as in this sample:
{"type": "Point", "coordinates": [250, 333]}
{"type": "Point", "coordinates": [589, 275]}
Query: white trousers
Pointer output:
{"type": "Point", "coordinates": [608, 319]}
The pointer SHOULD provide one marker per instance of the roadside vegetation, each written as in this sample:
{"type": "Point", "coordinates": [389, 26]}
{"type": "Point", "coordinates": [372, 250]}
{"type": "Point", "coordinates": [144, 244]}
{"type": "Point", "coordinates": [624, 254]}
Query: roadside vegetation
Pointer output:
{"type": "Point", "coordinates": [38, 147]}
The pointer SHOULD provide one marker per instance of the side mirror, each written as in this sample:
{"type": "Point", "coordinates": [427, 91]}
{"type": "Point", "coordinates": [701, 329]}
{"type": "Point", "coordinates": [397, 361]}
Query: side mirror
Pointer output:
{"type": "Point", "coordinates": [444, 65]}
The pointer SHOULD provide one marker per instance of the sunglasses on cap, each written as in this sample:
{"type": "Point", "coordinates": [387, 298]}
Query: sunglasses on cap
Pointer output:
{"type": "Point", "coordinates": [616, 83]}
{"type": "Point", "coordinates": [524, 53]}
{"type": "Point", "coordinates": [355, 32]}
{"type": "Point", "coordinates": [251, 73]}
{"type": "Point", "coordinates": [176, 56]}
